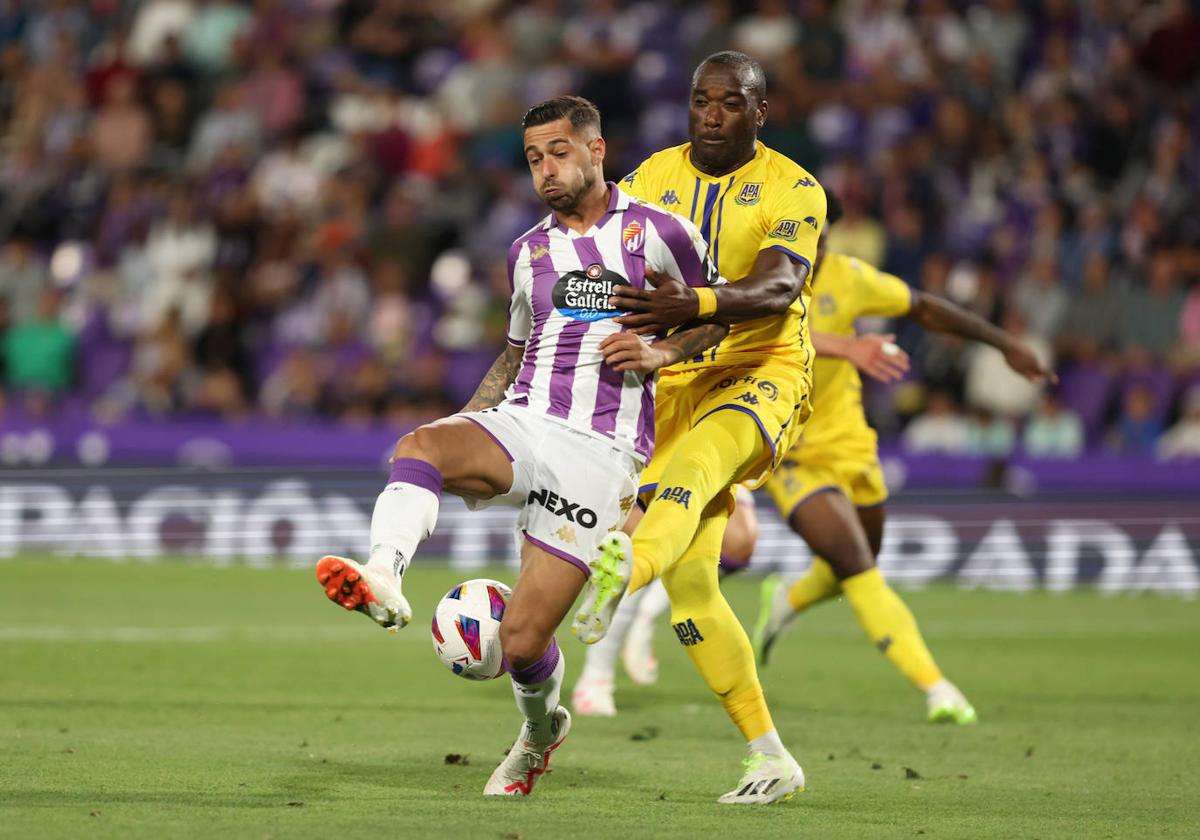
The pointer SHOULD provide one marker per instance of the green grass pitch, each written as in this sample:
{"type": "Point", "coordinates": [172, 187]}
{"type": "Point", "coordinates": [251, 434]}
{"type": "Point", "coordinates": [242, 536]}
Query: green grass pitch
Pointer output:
{"type": "Point", "coordinates": [175, 700]}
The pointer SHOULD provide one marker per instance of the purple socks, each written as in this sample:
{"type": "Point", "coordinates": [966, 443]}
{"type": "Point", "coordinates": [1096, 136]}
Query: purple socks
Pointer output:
{"type": "Point", "coordinates": [539, 671]}
{"type": "Point", "coordinates": [418, 472]}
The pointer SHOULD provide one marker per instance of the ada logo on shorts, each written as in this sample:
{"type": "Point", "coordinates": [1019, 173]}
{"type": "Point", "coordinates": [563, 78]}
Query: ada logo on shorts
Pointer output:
{"type": "Point", "coordinates": [583, 295]}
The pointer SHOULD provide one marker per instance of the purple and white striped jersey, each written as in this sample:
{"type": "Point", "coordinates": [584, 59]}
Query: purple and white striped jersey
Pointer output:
{"type": "Point", "coordinates": [561, 282]}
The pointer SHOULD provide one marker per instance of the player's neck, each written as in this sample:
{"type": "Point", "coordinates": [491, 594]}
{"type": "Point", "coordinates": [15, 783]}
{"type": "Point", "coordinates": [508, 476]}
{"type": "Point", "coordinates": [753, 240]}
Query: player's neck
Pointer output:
{"type": "Point", "coordinates": [589, 211]}
{"type": "Point", "coordinates": [714, 172]}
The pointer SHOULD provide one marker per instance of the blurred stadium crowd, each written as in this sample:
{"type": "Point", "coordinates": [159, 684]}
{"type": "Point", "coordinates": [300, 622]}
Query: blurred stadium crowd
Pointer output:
{"type": "Point", "coordinates": [298, 209]}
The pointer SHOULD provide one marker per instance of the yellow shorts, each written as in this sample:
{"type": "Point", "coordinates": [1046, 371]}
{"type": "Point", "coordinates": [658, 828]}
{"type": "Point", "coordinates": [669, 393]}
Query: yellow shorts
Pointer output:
{"type": "Point", "coordinates": [774, 392]}
{"type": "Point", "coordinates": [861, 481]}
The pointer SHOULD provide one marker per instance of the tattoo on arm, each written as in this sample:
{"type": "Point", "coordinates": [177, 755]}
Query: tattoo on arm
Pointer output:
{"type": "Point", "coordinates": [693, 338]}
{"type": "Point", "coordinates": [500, 375]}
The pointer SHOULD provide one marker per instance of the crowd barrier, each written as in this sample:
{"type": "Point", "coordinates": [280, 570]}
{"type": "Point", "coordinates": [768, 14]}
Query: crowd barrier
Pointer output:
{"type": "Point", "coordinates": [1004, 539]}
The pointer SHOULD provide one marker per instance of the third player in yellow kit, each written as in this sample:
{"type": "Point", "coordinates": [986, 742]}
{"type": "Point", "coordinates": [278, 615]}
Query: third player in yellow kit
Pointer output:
{"type": "Point", "coordinates": [726, 415]}
{"type": "Point", "coordinates": [839, 446]}
{"type": "Point", "coordinates": [830, 487]}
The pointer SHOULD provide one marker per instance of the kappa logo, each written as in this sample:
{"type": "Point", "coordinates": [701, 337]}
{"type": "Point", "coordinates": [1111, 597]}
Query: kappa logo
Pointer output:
{"type": "Point", "coordinates": [669, 198]}
{"type": "Point", "coordinates": [749, 195]}
{"type": "Point", "coordinates": [747, 398]}
{"type": "Point", "coordinates": [628, 179]}
{"type": "Point", "coordinates": [804, 182]}
{"type": "Point", "coordinates": [536, 252]}
{"type": "Point", "coordinates": [811, 221]}
{"type": "Point", "coordinates": [626, 504]}
{"type": "Point", "coordinates": [786, 229]}
{"type": "Point", "coordinates": [688, 633]}
{"type": "Point", "coordinates": [679, 495]}
{"type": "Point", "coordinates": [559, 506]}
{"type": "Point", "coordinates": [633, 237]}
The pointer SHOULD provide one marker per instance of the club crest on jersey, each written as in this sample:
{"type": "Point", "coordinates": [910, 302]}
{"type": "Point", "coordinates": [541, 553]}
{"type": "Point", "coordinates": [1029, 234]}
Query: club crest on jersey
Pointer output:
{"type": "Point", "coordinates": [536, 252]}
{"type": "Point", "coordinates": [633, 236]}
{"type": "Point", "coordinates": [787, 229]}
{"type": "Point", "coordinates": [749, 195]}
{"type": "Point", "coordinates": [583, 295]}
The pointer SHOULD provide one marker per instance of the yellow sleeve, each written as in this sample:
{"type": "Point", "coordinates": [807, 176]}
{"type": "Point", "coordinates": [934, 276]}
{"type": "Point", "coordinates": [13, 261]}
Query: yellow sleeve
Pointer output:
{"type": "Point", "coordinates": [796, 218]}
{"type": "Point", "coordinates": [880, 293]}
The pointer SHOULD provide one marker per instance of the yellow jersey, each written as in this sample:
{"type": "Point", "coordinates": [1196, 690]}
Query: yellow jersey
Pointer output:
{"type": "Point", "coordinates": [769, 202]}
{"type": "Point", "coordinates": [844, 290]}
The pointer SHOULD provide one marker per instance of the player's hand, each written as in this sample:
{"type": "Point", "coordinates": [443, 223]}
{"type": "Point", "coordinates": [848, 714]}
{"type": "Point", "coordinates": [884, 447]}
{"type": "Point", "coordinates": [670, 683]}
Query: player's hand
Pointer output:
{"type": "Point", "coordinates": [654, 312]}
{"type": "Point", "coordinates": [878, 357]}
{"type": "Point", "coordinates": [626, 351]}
{"type": "Point", "coordinates": [1023, 360]}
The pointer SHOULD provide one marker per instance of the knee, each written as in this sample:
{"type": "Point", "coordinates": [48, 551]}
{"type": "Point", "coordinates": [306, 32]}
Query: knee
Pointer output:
{"type": "Point", "coordinates": [521, 643]}
{"type": "Point", "coordinates": [848, 557]}
{"type": "Point", "coordinates": [419, 444]}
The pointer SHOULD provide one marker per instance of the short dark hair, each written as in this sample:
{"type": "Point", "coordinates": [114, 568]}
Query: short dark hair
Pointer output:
{"type": "Point", "coordinates": [740, 62]}
{"type": "Point", "coordinates": [833, 207]}
{"type": "Point", "coordinates": [581, 112]}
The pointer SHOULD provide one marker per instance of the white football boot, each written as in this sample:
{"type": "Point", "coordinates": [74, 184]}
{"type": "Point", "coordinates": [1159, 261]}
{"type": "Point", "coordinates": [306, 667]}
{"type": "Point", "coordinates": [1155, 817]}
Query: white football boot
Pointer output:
{"type": "Point", "coordinates": [768, 778]}
{"type": "Point", "coordinates": [526, 762]}
{"type": "Point", "coordinates": [944, 703]}
{"type": "Point", "coordinates": [360, 588]}
{"type": "Point", "coordinates": [637, 655]}
{"type": "Point", "coordinates": [605, 588]}
{"type": "Point", "coordinates": [593, 697]}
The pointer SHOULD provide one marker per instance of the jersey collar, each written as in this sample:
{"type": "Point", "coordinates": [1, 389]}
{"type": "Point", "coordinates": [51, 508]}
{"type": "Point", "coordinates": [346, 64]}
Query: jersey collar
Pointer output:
{"type": "Point", "coordinates": [618, 202]}
{"type": "Point", "coordinates": [759, 151]}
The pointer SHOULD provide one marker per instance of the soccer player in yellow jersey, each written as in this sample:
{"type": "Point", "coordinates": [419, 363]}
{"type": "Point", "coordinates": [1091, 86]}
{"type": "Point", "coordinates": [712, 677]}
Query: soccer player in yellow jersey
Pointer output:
{"type": "Point", "coordinates": [830, 487]}
{"type": "Point", "coordinates": [727, 415]}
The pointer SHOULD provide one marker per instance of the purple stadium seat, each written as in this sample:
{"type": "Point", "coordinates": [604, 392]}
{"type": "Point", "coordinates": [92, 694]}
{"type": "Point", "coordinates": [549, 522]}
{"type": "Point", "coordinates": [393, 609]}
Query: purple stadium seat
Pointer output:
{"type": "Point", "coordinates": [464, 371]}
{"type": "Point", "coordinates": [103, 358]}
{"type": "Point", "coordinates": [1087, 390]}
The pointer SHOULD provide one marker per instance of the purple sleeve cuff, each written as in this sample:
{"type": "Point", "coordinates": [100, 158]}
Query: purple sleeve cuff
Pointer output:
{"type": "Point", "coordinates": [802, 260]}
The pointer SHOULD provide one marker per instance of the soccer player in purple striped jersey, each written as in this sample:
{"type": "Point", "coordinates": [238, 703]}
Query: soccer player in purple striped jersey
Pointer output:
{"type": "Point", "coordinates": [561, 425]}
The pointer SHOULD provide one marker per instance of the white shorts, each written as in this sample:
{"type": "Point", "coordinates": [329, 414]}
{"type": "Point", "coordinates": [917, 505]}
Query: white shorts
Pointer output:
{"type": "Point", "coordinates": [570, 487]}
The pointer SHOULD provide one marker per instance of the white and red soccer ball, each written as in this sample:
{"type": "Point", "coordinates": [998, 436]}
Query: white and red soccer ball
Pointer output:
{"type": "Point", "coordinates": [466, 628]}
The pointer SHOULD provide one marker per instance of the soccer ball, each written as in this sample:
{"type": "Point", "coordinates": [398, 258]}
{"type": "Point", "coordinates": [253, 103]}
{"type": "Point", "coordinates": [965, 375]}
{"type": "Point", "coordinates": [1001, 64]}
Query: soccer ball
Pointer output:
{"type": "Point", "coordinates": [466, 628]}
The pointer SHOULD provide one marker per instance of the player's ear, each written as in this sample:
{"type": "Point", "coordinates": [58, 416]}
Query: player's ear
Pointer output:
{"type": "Point", "coordinates": [761, 114]}
{"type": "Point", "coordinates": [598, 148]}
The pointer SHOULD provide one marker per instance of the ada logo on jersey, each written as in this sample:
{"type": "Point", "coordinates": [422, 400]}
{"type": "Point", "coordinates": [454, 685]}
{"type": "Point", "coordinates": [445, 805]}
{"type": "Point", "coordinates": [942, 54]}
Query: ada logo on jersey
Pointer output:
{"type": "Point", "coordinates": [750, 194]}
{"type": "Point", "coordinates": [786, 229]}
{"type": "Point", "coordinates": [583, 295]}
{"type": "Point", "coordinates": [633, 236]}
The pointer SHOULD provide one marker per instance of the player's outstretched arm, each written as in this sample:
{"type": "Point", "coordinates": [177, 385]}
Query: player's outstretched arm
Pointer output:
{"type": "Point", "coordinates": [873, 354]}
{"type": "Point", "coordinates": [626, 351]}
{"type": "Point", "coordinates": [940, 315]}
{"type": "Point", "coordinates": [500, 375]}
{"type": "Point", "coordinates": [769, 289]}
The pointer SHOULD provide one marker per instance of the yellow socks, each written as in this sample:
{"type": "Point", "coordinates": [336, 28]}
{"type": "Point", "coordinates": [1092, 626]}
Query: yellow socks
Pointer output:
{"type": "Point", "coordinates": [709, 631]}
{"type": "Point", "coordinates": [818, 584]}
{"type": "Point", "coordinates": [709, 458]}
{"type": "Point", "coordinates": [890, 625]}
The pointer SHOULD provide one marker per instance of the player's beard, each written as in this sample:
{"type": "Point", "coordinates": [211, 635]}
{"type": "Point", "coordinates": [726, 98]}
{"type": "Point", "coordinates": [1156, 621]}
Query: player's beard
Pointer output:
{"type": "Point", "coordinates": [566, 202]}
